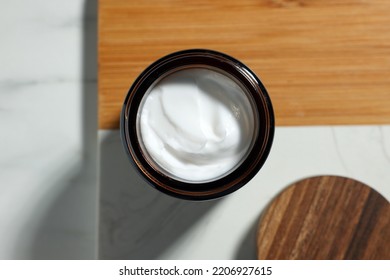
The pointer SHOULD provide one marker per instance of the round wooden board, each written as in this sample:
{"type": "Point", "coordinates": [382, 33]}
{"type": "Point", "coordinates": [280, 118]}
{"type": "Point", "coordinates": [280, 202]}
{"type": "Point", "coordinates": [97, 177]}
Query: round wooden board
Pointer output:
{"type": "Point", "coordinates": [325, 217]}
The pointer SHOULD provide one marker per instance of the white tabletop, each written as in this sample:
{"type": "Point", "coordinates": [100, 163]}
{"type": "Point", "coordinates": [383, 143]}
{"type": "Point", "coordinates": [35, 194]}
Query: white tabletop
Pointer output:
{"type": "Point", "coordinates": [139, 222]}
{"type": "Point", "coordinates": [51, 157]}
{"type": "Point", "coordinates": [48, 122]}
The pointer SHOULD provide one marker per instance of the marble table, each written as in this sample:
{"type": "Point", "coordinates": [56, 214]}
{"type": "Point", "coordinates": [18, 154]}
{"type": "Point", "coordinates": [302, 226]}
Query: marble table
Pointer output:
{"type": "Point", "coordinates": [137, 222]}
{"type": "Point", "coordinates": [63, 181]}
{"type": "Point", "coordinates": [48, 138]}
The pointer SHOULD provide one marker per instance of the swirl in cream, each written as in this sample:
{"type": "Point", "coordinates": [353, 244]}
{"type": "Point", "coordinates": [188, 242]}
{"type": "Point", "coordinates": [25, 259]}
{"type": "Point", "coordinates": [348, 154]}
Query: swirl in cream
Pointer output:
{"type": "Point", "coordinates": [196, 125]}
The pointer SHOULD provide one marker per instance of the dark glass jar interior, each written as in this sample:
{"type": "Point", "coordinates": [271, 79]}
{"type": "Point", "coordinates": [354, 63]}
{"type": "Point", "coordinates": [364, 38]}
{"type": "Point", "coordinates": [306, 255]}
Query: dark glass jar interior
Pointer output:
{"type": "Point", "coordinates": [261, 134]}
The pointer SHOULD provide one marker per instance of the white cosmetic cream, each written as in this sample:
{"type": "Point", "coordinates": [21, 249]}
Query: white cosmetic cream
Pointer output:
{"type": "Point", "coordinates": [196, 125]}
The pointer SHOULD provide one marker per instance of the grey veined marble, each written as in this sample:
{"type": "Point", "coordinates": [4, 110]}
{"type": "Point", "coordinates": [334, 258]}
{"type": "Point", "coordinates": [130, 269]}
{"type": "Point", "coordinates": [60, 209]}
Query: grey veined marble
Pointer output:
{"type": "Point", "coordinates": [48, 138]}
{"type": "Point", "coordinates": [62, 186]}
{"type": "Point", "coordinates": [138, 222]}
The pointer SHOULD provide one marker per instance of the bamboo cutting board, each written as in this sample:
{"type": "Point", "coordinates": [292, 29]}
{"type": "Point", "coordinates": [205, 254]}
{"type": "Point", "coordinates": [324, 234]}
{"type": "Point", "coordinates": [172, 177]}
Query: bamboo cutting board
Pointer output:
{"type": "Point", "coordinates": [326, 217]}
{"type": "Point", "coordinates": [322, 61]}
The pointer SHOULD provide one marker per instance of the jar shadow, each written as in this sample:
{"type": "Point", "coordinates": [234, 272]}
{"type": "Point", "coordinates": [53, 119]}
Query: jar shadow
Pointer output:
{"type": "Point", "coordinates": [137, 221]}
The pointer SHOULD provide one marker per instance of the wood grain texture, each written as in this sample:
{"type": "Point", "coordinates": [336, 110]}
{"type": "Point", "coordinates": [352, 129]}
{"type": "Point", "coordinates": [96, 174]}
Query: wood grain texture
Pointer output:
{"type": "Point", "coordinates": [326, 217]}
{"type": "Point", "coordinates": [323, 62]}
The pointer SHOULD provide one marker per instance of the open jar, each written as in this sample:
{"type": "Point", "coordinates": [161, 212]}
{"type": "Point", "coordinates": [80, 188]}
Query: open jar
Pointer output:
{"type": "Point", "coordinates": [197, 124]}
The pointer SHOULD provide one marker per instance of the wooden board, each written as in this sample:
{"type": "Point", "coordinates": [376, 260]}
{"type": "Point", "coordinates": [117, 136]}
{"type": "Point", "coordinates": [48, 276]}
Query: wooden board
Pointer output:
{"type": "Point", "coordinates": [323, 61]}
{"type": "Point", "coordinates": [326, 217]}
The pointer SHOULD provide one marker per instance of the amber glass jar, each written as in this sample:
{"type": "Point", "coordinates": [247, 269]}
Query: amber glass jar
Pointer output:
{"type": "Point", "coordinates": [230, 72]}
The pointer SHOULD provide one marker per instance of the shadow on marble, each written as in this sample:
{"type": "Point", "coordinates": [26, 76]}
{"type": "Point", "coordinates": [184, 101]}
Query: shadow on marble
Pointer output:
{"type": "Point", "coordinates": [137, 221]}
{"type": "Point", "coordinates": [62, 233]}
{"type": "Point", "coordinates": [247, 249]}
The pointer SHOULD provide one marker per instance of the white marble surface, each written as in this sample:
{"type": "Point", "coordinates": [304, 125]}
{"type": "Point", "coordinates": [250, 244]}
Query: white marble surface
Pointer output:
{"type": "Point", "coordinates": [48, 189]}
{"type": "Point", "coordinates": [48, 152]}
{"type": "Point", "coordinates": [137, 221]}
